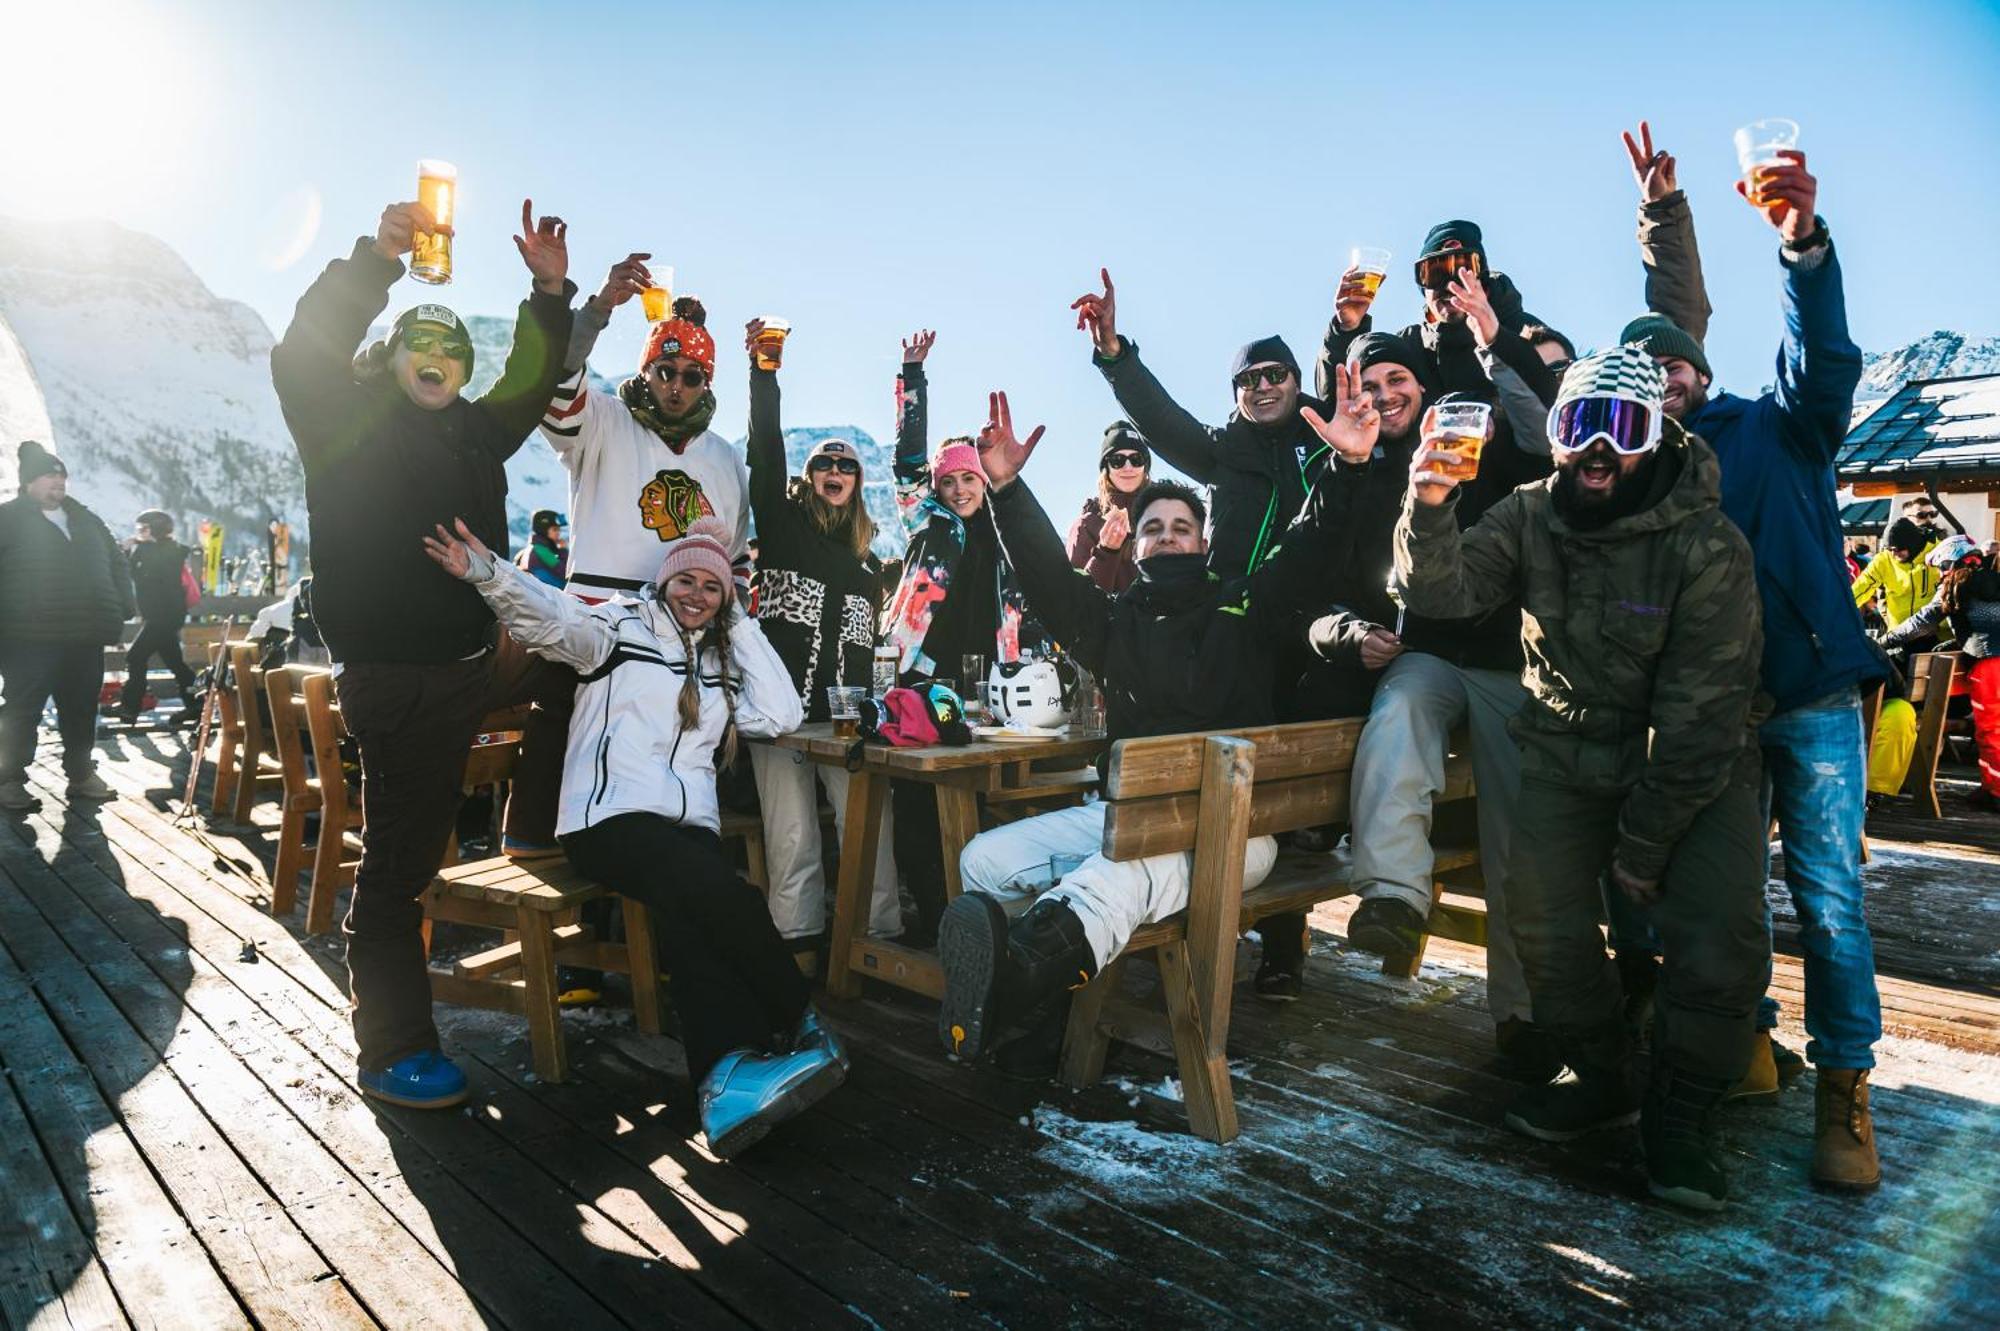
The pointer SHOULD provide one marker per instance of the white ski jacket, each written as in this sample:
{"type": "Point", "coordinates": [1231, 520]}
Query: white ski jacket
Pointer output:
{"type": "Point", "coordinates": [628, 752]}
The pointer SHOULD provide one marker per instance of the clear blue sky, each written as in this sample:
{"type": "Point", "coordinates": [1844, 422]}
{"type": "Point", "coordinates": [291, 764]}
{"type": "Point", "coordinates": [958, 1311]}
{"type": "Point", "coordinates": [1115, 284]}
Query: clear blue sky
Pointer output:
{"type": "Point", "coordinates": [869, 169]}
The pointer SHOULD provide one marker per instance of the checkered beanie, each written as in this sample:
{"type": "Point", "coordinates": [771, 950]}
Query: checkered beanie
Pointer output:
{"type": "Point", "coordinates": [1627, 372]}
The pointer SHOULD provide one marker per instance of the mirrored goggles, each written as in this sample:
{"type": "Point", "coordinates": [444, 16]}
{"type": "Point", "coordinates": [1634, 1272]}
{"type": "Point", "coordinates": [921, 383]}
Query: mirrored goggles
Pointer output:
{"type": "Point", "coordinates": [423, 344]}
{"type": "Point", "coordinates": [1627, 426]}
{"type": "Point", "coordinates": [1436, 272]}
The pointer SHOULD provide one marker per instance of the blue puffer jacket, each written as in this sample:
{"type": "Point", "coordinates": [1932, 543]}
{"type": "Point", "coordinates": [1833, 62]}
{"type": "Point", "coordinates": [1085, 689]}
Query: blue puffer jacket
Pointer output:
{"type": "Point", "coordinates": [1777, 453]}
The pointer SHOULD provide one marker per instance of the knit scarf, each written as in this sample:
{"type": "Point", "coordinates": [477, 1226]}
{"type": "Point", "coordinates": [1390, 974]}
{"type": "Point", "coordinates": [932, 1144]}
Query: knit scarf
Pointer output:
{"type": "Point", "coordinates": [638, 400]}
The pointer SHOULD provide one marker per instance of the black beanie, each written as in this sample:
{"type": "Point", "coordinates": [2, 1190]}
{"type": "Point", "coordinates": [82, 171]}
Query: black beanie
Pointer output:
{"type": "Point", "coordinates": [1263, 351]}
{"type": "Point", "coordinates": [1124, 435]}
{"type": "Point", "coordinates": [1378, 348]}
{"type": "Point", "coordinates": [1904, 535]}
{"type": "Point", "coordinates": [36, 462]}
{"type": "Point", "coordinates": [1452, 238]}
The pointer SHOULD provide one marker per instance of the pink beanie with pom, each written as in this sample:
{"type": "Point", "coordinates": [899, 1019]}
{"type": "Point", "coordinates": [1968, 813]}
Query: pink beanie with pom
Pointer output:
{"type": "Point", "coordinates": [705, 547]}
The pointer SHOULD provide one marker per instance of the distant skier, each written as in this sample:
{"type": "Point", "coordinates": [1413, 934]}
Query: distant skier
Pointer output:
{"type": "Point", "coordinates": [160, 577]}
{"type": "Point", "coordinates": [546, 555]}
{"type": "Point", "coordinates": [390, 450]}
{"type": "Point", "coordinates": [64, 595]}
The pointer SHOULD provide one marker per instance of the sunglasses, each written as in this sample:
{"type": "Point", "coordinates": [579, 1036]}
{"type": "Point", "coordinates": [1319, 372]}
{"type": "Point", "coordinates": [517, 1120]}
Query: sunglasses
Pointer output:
{"type": "Point", "coordinates": [1557, 367]}
{"type": "Point", "coordinates": [423, 344]}
{"type": "Point", "coordinates": [1436, 272]}
{"type": "Point", "coordinates": [1272, 375]}
{"type": "Point", "coordinates": [1627, 426]}
{"type": "Point", "coordinates": [691, 377]}
{"type": "Point", "coordinates": [1119, 461]}
{"type": "Point", "coordinates": [845, 466]}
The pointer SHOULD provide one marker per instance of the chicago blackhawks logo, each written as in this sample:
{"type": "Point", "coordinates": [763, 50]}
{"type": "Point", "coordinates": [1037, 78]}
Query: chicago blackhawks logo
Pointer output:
{"type": "Point", "coordinates": [670, 503]}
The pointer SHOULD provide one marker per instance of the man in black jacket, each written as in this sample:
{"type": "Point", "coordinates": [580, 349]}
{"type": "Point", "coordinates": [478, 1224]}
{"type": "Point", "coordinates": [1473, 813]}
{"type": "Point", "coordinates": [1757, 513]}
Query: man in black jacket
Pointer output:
{"type": "Point", "coordinates": [64, 595]}
{"type": "Point", "coordinates": [157, 561]}
{"type": "Point", "coordinates": [1258, 466]}
{"type": "Point", "coordinates": [1186, 647]}
{"type": "Point", "coordinates": [391, 450]}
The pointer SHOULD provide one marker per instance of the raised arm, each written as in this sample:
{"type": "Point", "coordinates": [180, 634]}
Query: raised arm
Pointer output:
{"type": "Point", "coordinates": [764, 449]}
{"type": "Point", "coordinates": [1674, 284]}
{"type": "Point", "coordinates": [522, 394]}
{"type": "Point", "coordinates": [1173, 433]}
{"type": "Point", "coordinates": [548, 622]}
{"type": "Point", "coordinates": [1819, 366]}
{"type": "Point", "coordinates": [1445, 574]}
{"type": "Point", "coordinates": [913, 459]}
{"type": "Point", "coordinates": [1703, 686]}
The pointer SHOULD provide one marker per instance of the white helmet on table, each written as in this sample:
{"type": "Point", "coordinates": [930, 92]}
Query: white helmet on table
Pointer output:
{"type": "Point", "coordinates": [1031, 693]}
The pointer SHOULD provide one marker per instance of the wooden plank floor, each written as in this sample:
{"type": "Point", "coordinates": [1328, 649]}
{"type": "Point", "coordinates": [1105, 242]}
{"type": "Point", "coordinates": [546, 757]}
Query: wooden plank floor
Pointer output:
{"type": "Point", "coordinates": [180, 1144]}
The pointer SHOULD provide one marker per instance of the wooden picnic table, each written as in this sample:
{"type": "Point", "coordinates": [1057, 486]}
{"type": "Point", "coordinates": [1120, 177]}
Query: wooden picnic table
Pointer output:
{"type": "Point", "coordinates": [961, 774]}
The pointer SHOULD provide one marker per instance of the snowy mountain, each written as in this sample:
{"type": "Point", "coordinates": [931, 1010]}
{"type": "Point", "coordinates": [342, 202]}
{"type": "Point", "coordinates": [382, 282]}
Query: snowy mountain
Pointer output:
{"type": "Point", "coordinates": [1938, 355]}
{"type": "Point", "coordinates": [878, 481]}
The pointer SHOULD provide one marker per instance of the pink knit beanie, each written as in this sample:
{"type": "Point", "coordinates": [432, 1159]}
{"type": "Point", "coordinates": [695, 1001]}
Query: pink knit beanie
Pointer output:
{"type": "Point", "coordinates": [956, 455]}
{"type": "Point", "coordinates": [706, 546]}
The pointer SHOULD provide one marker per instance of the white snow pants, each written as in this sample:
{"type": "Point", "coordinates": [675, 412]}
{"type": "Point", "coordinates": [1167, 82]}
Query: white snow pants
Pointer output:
{"type": "Point", "coordinates": [1398, 774]}
{"type": "Point", "coordinates": [786, 791]}
{"type": "Point", "coordinates": [1112, 897]}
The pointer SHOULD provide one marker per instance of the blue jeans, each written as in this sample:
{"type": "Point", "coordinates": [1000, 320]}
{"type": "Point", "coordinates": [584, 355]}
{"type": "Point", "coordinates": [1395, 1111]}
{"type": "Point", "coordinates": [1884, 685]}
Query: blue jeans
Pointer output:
{"type": "Point", "coordinates": [1816, 782]}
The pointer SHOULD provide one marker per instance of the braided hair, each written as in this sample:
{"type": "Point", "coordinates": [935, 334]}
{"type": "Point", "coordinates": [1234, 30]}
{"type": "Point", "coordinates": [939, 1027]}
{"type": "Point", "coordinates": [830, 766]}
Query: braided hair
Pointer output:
{"type": "Point", "coordinates": [715, 637]}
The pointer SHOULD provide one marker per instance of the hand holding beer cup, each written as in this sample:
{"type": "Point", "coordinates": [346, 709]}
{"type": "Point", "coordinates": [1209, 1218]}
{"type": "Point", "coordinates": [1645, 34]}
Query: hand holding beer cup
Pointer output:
{"type": "Point", "coordinates": [396, 234]}
{"type": "Point", "coordinates": [544, 247]}
{"type": "Point", "coordinates": [1454, 435]}
{"type": "Point", "coordinates": [765, 338]}
{"type": "Point", "coordinates": [1366, 268]}
{"type": "Point", "coordinates": [1786, 193]}
{"type": "Point", "coordinates": [1468, 296]}
{"type": "Point", "coordinates": [1354, 424]}
{"type": "Point", "coordinates": [1652, 170]}
{"type": "Point", "coordinates": [1098, 315]}
{"type": "Point", "coordinates": [628, 277]}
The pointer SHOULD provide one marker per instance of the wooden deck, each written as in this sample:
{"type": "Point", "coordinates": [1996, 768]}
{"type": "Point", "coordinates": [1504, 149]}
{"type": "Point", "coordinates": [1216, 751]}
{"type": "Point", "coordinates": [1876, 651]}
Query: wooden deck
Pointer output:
{"type": "Point", "coordinates": [180, 1145]}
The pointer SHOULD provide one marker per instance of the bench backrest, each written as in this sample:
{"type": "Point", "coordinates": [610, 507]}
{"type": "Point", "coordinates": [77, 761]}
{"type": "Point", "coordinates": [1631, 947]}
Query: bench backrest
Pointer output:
{"type": "Point", "coordinates": [289, 735]}
{"type": "Point", "coordinates": [1928, 669]}
{"type": "Point", "coordinates": [249, 682]}
{"type": "Point", "coordinates": [1153, 786]}
{"type": "Point", "coordinates": [327, 728]}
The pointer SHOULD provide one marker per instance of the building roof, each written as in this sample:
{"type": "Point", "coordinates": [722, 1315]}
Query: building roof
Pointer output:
{"type": "Point", "coordinates": [1864, 517]}
{"type": "Point", "coordinates": [1929, 429]}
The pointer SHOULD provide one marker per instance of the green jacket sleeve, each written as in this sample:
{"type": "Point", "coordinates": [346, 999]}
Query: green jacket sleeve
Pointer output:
{"type": "Point", "coordinates": [1171, 431]}
{"type": "Point", "coordinates": [1674, 284]}
{"type": "Point", "coordinates": [1703, 688]}
{"type": "Point", "coordinates": [1445, 574]}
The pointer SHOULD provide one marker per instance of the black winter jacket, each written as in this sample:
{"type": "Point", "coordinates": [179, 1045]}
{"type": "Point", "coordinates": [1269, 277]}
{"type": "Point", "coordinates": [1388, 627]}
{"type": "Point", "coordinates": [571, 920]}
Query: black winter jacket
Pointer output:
{"type": "Point", "coordinates": [1450, 349]}
{"type": "Point", "coordinates": [1186, 647]}
{"type": "Point", "coordinates": [156, 580]}
{"type": "Point", "coordinates": [816, 601]}
{"type": "Point", "coordinates": [56, 588]}
{"type": "Point", "coordinates": [381, 472]}
{"type": "Point", "coordinates": [1258, 475]}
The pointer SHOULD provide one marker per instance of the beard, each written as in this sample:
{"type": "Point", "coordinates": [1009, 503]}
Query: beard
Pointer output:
{"type": "Point", "coordinates": [1587, 510]}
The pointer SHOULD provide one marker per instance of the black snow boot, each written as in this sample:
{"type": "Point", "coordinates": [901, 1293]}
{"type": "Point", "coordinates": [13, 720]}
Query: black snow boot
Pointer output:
{"type": "Point", "coordinates": [1676, 1128]}
{"type": "Point", "coordinates": [996, 974]}
{"type": "Point", "coordinates": [1036, 1053]}
{"type": "Point", "coordinates": [1599, 1095]}
{"type": "Point", "coordinates": [1281, 970]}
{"type": "Point", "coordinates": [1386, 926]}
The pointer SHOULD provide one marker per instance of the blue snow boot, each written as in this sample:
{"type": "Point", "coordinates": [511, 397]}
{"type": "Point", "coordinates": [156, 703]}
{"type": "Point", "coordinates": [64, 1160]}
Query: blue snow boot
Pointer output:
{"type": "Point", "coordinates": [427, 1080]}
{"type": "Point", "coordinates": [747, 1094]}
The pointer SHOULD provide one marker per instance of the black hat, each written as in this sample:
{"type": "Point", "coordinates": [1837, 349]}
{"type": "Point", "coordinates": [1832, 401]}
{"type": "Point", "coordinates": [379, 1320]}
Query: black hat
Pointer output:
{"type": "Point", "coordinates": [158, 521]}
{"type": "Point", "coordinates": [544, 519]}
{"type": "Point", "coordinates": [1378, 348]}
{"type": "Point", "coordinates": [1122, 435]}
{"type": "Point", "coordinates": [443, 316]}
{"type": "Point", "coordinates": [1264, 351]}
{"type": "Point", "coordinates": [1904, 535]}
{"type": "Point", "coordinates": [36, 462]}
{"type": "Point", "coordinates": [1453, 237]}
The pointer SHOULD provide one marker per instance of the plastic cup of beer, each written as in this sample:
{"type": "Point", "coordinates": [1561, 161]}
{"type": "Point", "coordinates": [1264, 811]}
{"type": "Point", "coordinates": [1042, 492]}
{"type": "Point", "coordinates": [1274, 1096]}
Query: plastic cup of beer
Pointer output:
{"type": "Point", "coordinates": [771, 342]}
{"type": "Point", "coordinates": [437, 190]}
{"type": "Point", "coordinates": [1758, 148]}
{"type": "Point", "coordinates": [843, 705]}
{"type": "Point", "coordinates": [1369, 264]}
{"type": "Point", "coordinates": [658, 300]}
{"type": "Point", "coordinates": [1459, 429]}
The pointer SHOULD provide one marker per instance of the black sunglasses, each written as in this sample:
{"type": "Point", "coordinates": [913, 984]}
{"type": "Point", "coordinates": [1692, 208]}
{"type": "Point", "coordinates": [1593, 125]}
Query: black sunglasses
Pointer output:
{"type": "Point", "coordinates": [425, 343]}
{"type": "Point", "coordinates": [845, 466]}
{"type": "Point", "coordinates": [1557, 367]}
{"type": "Point", "coordinates": [1115, 461]}
{"type": "Point", "coordinates": [691, 377]}
{"type": "Point", "coordinates": [1272, 375]}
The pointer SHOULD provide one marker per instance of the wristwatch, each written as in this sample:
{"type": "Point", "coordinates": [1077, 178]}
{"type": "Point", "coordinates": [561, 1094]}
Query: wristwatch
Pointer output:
{"type": "Point", "coordinates": [1817, 237]}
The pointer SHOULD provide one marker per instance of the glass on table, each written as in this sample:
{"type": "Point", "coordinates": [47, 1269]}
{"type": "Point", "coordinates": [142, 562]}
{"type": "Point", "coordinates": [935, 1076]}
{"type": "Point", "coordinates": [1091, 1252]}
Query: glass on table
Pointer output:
{"type": "Point", "coordinates": [843, 705]}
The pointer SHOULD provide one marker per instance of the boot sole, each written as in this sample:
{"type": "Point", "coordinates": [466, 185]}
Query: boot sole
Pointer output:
{"type": "Point", "coordinates": [408, 1102]}
{"type": "Point", "coordinates": [1541, 1134]}
{"type": "Point", "coordinates": [1843, 1185]}
{"type": "Point", "coordinates": [1382, 942]}
{"type": "Point", "coordinates": [1692, 1198]}
{"type": "Point", "coordinates": [972, 947]}
{"type": "Point", "coordinates": [789, 1104]}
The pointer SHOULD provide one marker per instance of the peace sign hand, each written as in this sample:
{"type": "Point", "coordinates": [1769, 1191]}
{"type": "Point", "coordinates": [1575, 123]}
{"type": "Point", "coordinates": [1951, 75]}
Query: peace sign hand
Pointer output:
{"type": "Point", "coordinates": [1653, 171]}
{"type": "Point", "coordinates": [1355, 424]}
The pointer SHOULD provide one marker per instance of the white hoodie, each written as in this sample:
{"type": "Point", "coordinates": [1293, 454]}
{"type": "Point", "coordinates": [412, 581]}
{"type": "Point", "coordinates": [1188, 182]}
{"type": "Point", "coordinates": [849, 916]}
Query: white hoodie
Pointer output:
{"type": "Point", "coordinates": [628, 752]}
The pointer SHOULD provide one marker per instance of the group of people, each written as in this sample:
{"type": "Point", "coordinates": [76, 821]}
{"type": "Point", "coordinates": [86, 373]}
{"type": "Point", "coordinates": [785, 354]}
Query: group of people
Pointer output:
{"type": "Point", "coordinates": [1633, 606]}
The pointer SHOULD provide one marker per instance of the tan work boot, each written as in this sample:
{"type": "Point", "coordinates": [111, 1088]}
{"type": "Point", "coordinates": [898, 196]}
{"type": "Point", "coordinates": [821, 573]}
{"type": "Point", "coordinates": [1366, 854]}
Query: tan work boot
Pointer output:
{"type": "Point", "coordinates": [1843, 1133]}
{"type": "Point", "coordinates": [1760, 1083]}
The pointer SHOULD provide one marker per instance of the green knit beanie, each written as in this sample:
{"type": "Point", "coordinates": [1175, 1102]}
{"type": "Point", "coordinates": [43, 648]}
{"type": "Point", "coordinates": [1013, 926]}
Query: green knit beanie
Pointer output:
{"type": "Point", "coordinates": [1661, 336]}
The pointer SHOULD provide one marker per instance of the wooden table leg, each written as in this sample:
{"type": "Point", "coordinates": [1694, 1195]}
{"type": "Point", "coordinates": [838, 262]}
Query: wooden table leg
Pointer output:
{"type": "Point", "coordinates": [644, 963]}
{"type": "Point", "coordinates": [867, 796]}
{"type": "Point", "coordinates": [538, 969]}
{"type": "Point", "coordinates": [958, 823]}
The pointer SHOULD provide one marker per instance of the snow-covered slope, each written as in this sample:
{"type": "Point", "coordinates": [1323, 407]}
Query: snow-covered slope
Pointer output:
{"type": "Point", "coordinates": [1939, 355]}
{"type": "Point", "coordinates": [23, 414]}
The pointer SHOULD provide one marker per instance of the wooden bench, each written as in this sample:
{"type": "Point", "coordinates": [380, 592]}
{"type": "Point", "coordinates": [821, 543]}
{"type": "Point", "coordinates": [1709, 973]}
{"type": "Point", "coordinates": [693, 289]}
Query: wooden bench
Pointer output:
{"type": "Point", "coordinates": [246, 765]}
{"type": "Point", "coordinates": [1931, 676]}
{"type": "Point", "coordinates": [302, 796]}
{"type": "Point", "coordinates": [338, 851]}
{"type": "Point", "coordinates": [1210, 794]}
{"type": "Point", "coordinates": [537, 904]}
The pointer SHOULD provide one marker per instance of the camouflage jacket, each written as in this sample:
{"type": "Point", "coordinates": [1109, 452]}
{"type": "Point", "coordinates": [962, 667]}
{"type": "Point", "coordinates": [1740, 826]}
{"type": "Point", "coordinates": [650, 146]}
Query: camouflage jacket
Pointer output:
{"type": "Point", "coordinates": [1642, 636]}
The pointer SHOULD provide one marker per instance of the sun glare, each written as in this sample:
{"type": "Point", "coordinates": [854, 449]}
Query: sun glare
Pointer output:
{"type": "Point", "coordinates": [105, 100]}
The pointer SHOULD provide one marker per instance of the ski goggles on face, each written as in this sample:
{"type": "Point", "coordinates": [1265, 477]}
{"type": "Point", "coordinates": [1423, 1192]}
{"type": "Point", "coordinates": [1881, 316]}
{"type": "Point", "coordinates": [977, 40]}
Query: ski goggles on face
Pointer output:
{"type": "Point", "coordinates": [1625, 425]}
{"type": "Point", "coordinates": [1270, 375]}
{"type": "Point", "coordinates": [1436, 272]}
{"type": "Point", "coordinates": [423, 344]}
{"type": "Point", "coordinates": [845, 466]}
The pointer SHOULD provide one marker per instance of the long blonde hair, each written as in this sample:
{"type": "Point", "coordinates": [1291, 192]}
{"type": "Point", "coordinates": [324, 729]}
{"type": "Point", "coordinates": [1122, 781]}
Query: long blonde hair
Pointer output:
{"type": "Point", "coordinates": [849, 522]}
{"type": "Point", "coordinates": [714, 635]}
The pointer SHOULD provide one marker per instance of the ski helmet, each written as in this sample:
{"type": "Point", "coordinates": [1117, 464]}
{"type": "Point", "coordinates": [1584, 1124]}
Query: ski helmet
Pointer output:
{"type": "Point", "coordinates": [1031, 693]}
